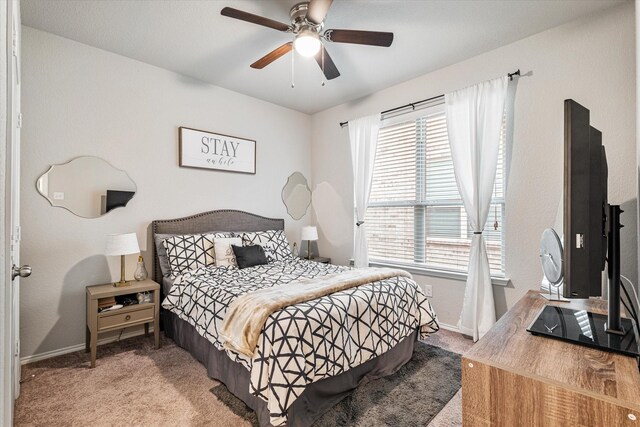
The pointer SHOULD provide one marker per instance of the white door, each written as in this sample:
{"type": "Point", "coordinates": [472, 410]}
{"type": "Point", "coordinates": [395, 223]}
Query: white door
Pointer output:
{"type": "Point", "coordinates": [14, 220]}
{"type": "Point", "coordinates": [10, 251]}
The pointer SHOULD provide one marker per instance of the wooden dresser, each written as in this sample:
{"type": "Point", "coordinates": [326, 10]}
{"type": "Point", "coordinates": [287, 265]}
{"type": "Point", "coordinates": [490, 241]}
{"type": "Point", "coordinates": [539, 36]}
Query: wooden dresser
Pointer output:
{"type": "Point", "coordinates": [513, 378]}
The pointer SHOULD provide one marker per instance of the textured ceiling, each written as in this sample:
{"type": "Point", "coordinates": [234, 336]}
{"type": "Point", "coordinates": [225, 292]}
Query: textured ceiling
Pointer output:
{"type": "Point", "coordinates": [192, 38]}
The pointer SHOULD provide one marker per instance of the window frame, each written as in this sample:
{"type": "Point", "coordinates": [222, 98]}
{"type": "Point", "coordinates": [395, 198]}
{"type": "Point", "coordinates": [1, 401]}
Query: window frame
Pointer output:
{"type": "Point", "coordinates": [497, 278]}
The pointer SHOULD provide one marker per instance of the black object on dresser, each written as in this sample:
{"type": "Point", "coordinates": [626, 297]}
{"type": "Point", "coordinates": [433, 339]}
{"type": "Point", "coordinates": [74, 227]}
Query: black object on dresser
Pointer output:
{"type": "Point", "coordinates": [318, 259]}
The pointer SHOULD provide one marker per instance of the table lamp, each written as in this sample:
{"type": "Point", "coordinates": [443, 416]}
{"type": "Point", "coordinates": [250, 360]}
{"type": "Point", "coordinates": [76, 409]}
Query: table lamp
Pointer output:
{"type": "Point", "coordinates": [309, 233]}
{"type": "Point", "coordinates": [122, 244]}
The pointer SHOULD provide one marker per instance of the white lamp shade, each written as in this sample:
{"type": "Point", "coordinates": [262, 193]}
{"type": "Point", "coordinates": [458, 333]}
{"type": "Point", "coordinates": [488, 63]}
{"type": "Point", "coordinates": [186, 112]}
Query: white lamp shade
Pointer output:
{"type": "Point", "coordinates": [309, 233]}
{"type": "Point", "coordinates": [122, 244]}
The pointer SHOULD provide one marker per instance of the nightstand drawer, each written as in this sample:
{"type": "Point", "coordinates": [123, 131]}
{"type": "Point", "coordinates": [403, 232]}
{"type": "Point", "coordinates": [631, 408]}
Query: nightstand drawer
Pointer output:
{"type": "Point", "coordinates": [122, 319]}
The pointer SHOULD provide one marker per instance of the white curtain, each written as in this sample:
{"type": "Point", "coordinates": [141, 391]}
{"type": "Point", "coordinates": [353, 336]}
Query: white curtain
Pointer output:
{"type": "Point", "coordinates": [363, 135]}
{"type": "Point", "coordinates": [474, 120]}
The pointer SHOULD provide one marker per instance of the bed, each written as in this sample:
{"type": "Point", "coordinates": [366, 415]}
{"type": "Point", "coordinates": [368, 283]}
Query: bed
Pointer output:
{"type": "Point", "coordinates": [276, 404]}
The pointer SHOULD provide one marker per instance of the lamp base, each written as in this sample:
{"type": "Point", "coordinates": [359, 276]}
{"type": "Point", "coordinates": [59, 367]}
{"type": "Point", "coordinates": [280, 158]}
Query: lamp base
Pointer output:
{"type": "Point", "coordinates": [121, 284]}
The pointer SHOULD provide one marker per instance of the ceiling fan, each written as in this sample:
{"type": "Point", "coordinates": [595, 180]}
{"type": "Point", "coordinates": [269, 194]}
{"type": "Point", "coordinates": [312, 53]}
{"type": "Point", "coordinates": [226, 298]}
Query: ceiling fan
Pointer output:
{"type": "Point", "coordinates": [307, 23]}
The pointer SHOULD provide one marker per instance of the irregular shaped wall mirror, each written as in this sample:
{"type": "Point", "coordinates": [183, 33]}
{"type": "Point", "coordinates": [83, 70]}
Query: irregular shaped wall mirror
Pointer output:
{"type": "Point", "coordinates": [86, 186]}
{"type": "Point", "coordinates": [296, 195]}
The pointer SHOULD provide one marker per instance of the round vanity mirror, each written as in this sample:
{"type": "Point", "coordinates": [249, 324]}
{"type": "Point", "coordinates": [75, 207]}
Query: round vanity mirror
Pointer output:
{"type": "Point", "coordinates": [296, 195]}
{"type": "Point", "coordinates": [86, 186]}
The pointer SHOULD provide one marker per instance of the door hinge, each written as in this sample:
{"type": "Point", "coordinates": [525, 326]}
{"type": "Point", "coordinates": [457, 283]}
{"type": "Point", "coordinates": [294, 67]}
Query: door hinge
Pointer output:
{"type": "Point", "coordinates": [19, 120]}
{"type": "Point", "coordinates": [17, 354]}
{"type": "Point", "coordinates": [16, 234]}
{"type": "Point", "coordinates": [14, 44]}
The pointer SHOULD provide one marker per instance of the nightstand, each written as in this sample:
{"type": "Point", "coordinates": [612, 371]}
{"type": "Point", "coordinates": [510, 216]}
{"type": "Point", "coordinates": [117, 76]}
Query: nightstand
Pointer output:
{"type": "Point", "coordinates": [320, 259]}
{"type": "Point", "coordinates": [131, 315]}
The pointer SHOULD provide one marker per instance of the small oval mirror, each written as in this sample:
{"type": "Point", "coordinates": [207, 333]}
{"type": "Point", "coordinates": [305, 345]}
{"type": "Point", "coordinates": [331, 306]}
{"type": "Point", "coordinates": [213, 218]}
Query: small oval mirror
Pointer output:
{"type": "Point", "coordinates": [86, 186]}
{"type": "Point", "coordinates": [296, 195]}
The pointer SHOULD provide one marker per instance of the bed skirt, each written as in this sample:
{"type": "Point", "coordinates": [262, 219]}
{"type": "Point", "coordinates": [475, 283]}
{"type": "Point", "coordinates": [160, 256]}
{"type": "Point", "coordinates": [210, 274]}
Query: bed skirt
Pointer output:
{"type": "Point", "coordinates": [317, 398]}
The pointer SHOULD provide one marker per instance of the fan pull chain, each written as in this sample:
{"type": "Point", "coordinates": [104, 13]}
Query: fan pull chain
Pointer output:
{"type": "Point", "coordinates": [293, 60]}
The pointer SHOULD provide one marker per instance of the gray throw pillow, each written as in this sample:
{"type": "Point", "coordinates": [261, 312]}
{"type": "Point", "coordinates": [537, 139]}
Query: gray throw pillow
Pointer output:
{"type": "Point", "coordinates": [249, 256]}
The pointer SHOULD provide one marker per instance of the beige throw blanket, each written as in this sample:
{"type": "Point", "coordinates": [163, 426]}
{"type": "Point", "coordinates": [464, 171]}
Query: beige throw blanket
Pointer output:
{"type": "Point", "coordinates": [248, 313]}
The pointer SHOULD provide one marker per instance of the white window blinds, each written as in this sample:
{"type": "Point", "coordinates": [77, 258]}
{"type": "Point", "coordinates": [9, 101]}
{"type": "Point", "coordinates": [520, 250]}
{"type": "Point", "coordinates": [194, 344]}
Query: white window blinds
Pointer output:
{"type": "Point", "coordinates": [415, 214]}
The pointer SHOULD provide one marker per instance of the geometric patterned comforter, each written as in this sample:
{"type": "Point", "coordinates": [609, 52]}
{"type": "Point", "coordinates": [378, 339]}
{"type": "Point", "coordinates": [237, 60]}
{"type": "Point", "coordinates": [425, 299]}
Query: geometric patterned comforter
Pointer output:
{"type": "Point", "coordinates": [308, 341]}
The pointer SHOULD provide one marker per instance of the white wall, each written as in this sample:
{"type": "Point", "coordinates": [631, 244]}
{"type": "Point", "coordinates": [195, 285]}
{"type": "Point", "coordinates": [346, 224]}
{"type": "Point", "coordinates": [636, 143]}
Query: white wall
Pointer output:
{"type": "Point", "coordinates": [81, 100]}
{"type": "Point", "coordinates": [590, 60]}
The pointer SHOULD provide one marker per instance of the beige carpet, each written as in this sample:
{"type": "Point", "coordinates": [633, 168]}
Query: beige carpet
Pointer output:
{"type": "Point", "coordinates": [134, 384]}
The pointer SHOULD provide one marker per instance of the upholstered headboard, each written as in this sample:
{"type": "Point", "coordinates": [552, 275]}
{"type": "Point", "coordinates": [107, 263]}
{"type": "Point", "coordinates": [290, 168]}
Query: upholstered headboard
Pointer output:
{"type": "Point", "coordinates": [221, 220]}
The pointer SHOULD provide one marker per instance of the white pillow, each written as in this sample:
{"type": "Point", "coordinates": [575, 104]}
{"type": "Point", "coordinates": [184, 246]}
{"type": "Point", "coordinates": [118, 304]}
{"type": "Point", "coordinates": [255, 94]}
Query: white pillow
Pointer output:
{"type": "Point", "coordinates": [274, 243]}
{"type": "Point", "coordinates": [224, 252]}
{"type": "Point", "coordinates": [189, 252]}
{"type": "Point", "coordinates": [161, 250]}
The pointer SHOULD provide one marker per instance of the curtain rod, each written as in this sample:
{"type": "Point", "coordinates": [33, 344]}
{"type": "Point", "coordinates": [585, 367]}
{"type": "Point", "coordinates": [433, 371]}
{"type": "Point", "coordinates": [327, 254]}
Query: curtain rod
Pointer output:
{"type": "Point", "coordinates": [433, 98]}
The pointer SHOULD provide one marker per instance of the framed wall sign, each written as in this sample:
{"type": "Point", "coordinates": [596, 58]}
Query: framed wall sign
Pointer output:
{"type": "Point", "coordinates": [207, 150]}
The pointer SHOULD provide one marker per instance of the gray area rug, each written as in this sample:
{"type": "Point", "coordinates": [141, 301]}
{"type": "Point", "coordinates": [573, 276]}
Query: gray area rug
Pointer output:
{"type": "Point", "coordinates": [413, 396]}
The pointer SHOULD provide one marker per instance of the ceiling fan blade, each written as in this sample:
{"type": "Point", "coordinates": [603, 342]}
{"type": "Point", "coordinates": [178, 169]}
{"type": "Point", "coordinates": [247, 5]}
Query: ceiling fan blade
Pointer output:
{"type": "Point", "coordinates": [371, 38]}
{"type": "Point", "coordinates": [317, 10]}
{"type": "Point", "coordinates": [330, 70]}
{"type": "Point", "coordinates": [272, 56]}
{"type": "Point", "coordinates": [254, 19]}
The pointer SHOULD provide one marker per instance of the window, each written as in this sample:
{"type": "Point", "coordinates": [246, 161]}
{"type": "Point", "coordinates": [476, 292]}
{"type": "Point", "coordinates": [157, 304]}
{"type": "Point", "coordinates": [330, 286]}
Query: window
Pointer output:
{"type": "Point", "coordinates": [415, 214]}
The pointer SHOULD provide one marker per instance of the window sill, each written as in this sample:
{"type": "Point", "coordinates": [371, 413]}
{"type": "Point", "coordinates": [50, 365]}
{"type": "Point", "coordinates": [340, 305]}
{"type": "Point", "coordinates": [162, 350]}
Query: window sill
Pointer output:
{"type": "Point", "coordinates": [422, 271]}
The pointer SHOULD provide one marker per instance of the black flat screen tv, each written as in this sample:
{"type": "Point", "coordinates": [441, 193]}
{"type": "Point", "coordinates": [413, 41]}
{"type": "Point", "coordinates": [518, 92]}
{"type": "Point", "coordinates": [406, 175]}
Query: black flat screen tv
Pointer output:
{"type": "Point", "coordinates": [591, 242]}
{"type": "Point", "coordinates": [585, 204]}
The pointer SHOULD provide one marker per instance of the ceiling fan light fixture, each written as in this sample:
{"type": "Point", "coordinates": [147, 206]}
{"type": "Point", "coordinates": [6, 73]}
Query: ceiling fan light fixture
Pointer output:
{"type": "Point", "coordinates": [307, 43]}
{"type": "Point", "coordinates": [309, 36]}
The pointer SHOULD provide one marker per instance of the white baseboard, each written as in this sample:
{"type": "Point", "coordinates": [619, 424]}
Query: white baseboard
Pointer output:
{"type": "Point", "coordinates": [449, 327]}
{"type": "Point", "coordinates": [131, 334]}
{"type": "Point", "coordinates": [77, 347]}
